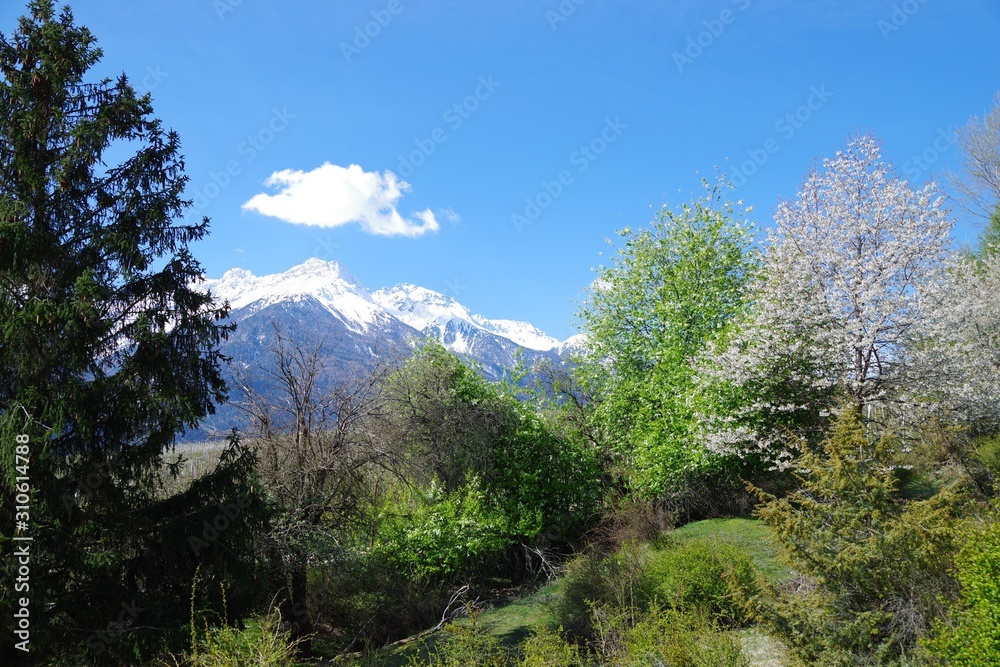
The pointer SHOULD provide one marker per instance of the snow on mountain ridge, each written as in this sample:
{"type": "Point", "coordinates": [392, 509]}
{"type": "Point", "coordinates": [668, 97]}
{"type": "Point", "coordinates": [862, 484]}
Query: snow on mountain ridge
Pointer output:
{"type": "Point", "coordinates": [328, 282]}
{"type": "Point", "coordinates": [420, 307]}
{"type": "Point", "coordinates": [423, 308]}
{"type": "Point", "coordinates": [333, 286]}
{"type": "Point", "coordinates": [574, 344]}
{"type": "Point", "coordinates": [524, 334]}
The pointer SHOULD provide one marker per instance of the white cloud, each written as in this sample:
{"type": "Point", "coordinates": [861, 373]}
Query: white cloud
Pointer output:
{"type": "Point", "coordinates": [331, 196]}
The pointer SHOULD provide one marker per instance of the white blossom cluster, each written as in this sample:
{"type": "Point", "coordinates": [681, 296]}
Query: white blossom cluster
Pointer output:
{"type": "Point", "coordinates": [840, 292]}
{"type": "Point", "coordinates": [954, 357]}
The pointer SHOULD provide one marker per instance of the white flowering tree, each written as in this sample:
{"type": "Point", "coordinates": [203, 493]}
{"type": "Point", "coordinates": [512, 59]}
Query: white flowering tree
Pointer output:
{"type": "Point", "coordinates": [843, 275]}
{"type": "Point", "coordinates": [955, 351]}
{"type": "Point", "coordinates": [978, 182]}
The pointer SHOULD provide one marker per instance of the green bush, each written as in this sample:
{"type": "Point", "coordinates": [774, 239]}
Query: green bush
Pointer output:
{"type": "Point", "coordinates": [366, 602]}
{"type": "Point", "coordinates": [971, 638]}
{"type": "Point", "coordinates": [874, 566]}
{"type": "Point", "coordinates": [261, 643]}
{"type": "Point", "coordinates": [706, 576]}
{"type": "Point", "coordinates": [466, 645]}
{"type": "Point", "coordinates": [700, 575]}
{"type": "Point", "coordinates": [545, 648]}
{"type": "Point", "coordinates": [664, 637]}
{"type": "Point", "coordinates": [584, 581]}
{"type": "Point", "coordinates": [591, 579]}
{"type": "Point", "coordinates": [543, 480]}
{"type": "Point", "coordinates": [446, 534]}
{"type": "Point", "coordinates": [452, 425]}
{"type": "Point", "coordinates": [988, 452]}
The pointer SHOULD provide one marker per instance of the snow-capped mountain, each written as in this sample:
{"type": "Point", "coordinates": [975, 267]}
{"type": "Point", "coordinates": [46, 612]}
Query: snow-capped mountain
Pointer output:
{"type": "Point", "coordinates": [321, 301]}
{"type": "Point", "coordinates": [329, 283]}
{"type": "Point", "coordinates": [333, 287]}
{"type": "Point", "coordinates": [429, 311]}
{"type": "Point", "coordinates": [573, 345]}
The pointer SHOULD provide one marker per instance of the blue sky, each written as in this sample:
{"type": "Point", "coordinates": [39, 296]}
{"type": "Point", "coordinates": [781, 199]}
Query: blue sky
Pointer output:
{"type": "Point", "coordinates": [519, 135]}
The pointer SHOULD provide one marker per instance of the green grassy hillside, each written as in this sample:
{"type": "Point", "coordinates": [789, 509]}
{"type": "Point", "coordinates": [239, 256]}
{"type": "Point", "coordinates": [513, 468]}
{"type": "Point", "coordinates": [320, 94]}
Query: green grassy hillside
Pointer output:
{"type": "Point", "coordinates": [511, 623]}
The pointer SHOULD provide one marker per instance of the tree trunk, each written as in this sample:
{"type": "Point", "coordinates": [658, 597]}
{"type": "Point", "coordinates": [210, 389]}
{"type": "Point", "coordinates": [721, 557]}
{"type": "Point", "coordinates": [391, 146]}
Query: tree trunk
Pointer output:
{"type": "Point", "coordinates": [289, 581]}
{"type": "Point", "coordinates": [301, 624]}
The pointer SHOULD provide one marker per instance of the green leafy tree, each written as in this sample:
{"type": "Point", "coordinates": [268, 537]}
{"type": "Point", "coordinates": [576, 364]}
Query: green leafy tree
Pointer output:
{"type": "Point", "coordinates": [107, 352]}
{"type": "Point", "coordinates": [989, 240]}
{"type": "Point", "coordinates": [500, 470]}
{"type": "Point", "coordinates": [451, 425]}
{"type": "Point", "coordinates": [873, 566]}
{"type": "Point", "coordinates": [670, 289]}
{"type": "Point", "coordinates": [444, 419]}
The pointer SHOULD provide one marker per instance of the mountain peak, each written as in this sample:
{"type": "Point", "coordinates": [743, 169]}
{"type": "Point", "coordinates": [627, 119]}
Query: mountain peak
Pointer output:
{"type": "Point", "coordinates": [424, 308]}
{"type": "Point", "coordinates": [421, 307]}
{"type": "Point", "coordinates": [329, 283]}
{"type": "Point", "coordinates": [418, 293]}
{"type": "Point", "coordinates": [318, 268]}
{"type": "Point", "coordinates": [334, 288]}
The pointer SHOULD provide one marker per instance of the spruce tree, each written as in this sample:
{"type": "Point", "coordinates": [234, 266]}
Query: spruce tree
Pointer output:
{"type": "Point", "coordinates": [107, 353]}
{"type": "Point", "coordinates": [873, 565]}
